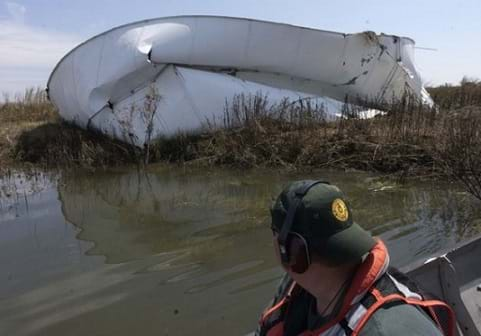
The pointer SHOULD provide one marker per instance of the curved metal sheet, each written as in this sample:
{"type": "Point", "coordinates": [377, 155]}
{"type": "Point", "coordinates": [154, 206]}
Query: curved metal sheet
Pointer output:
{"type": "Point", "coordinates": [107, 69]}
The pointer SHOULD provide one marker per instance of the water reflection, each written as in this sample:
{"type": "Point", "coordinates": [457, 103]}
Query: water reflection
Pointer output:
{"type": "Point", "coordinates": [129, 215]}
{"type": "Point", "coordinates": [36, 243]}
{"type": "Point", "coordinates": [433, 220]}
{"type": "Point", "coordinates": [134, 214]}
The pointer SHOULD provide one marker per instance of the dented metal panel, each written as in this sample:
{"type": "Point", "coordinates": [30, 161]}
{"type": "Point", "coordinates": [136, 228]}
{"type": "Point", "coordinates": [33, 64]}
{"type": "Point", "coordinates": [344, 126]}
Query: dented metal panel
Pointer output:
{"type": "Point", "coordinates": [197, 63]}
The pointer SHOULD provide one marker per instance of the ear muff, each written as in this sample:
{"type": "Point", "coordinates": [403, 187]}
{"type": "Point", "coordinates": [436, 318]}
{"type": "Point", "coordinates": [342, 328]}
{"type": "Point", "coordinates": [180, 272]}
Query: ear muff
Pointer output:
{"type": "Point", "coordinates": [299, 258]}
{"type": "Point", "coordinates": [293, 248]}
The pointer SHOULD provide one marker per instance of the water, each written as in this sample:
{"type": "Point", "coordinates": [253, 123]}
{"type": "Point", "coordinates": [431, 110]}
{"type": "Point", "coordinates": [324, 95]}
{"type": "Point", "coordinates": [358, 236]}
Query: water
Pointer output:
{"type": "Point", "coordinates": [172, 251]}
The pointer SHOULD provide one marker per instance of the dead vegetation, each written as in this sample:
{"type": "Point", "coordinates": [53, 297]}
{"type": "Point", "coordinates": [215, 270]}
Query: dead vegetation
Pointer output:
{"type": "Point", "coordinates": [31, 132]}
{"type": "Point", "coordinates": [31, 107]}
{"type": "Point", "coordinates": [409, 140]}
{"type": "Point", "coordinates": [299, 135]}
{"type": "Point", "coordinates": [60, 145]}
{"type": "Point", "coordinates": [20, 114]}
{"type": "Point", "coordinates": [448, 97]}
{"type": "Point", "coordinates": [459, 148]}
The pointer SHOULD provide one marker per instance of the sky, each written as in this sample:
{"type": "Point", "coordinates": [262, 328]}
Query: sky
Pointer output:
{"type": "Point", "coordinates": [35, 34]}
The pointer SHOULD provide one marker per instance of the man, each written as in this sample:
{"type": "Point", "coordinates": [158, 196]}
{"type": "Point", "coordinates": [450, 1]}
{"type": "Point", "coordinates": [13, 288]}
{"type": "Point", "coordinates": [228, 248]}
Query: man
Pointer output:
{"type": "Point", "coordinates": [337, 280]}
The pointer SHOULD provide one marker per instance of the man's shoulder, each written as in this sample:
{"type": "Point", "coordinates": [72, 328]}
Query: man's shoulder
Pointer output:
{"type": "Point", "coordinates": [400, 319]}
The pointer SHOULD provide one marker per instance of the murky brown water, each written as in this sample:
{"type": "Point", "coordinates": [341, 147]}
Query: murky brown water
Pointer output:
{"type": "Point", "coordinates": [179, 252]}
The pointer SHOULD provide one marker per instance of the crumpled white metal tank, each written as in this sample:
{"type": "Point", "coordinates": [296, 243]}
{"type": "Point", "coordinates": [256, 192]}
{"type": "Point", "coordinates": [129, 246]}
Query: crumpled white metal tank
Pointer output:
{"type": "Point", "coordinates": [197, 63]}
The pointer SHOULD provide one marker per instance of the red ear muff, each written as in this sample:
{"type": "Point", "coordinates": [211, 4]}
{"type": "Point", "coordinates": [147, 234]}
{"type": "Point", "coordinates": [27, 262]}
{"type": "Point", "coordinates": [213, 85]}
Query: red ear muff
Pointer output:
{"type": "Point", "coordinates": [298, 251]}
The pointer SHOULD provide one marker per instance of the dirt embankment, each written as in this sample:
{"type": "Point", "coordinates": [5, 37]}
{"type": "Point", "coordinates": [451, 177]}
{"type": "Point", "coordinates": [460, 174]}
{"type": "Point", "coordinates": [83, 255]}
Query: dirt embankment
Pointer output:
{"type": "Point", "coordinates": [32, 133]}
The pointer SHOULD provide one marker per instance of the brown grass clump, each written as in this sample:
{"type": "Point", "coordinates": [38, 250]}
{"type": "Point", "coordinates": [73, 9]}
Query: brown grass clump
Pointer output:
{"type": "Point", "coordinates": [20, 114]}
{"type": "Point", "coordinates": [31, 107]}
{"type": "Point", "coordinates": [297, 134]}
{"type": "Point", "coordinates": [447, 97]}
{"type": "Point", "coordinates": [31, 132]}
{"type": "Point", "coordinates": [459, 147]}
{"type": "Point", "coordinates": [60, 145]}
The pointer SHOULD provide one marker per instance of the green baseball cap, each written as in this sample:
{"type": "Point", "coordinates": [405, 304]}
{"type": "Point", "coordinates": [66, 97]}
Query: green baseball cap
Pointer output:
{"type": "Point", "coordinates": [325, 220]}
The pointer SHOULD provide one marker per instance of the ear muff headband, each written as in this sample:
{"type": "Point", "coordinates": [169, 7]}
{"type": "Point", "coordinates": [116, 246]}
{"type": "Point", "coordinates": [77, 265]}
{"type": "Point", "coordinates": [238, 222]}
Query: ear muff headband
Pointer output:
{"type": "Point", "coordinates": [289, 220]}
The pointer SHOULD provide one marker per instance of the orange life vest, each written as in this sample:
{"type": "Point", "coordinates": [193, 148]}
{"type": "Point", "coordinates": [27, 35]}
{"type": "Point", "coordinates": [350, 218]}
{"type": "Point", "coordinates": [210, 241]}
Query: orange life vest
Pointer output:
{"type": "Point", "coordinates": [361, 301]}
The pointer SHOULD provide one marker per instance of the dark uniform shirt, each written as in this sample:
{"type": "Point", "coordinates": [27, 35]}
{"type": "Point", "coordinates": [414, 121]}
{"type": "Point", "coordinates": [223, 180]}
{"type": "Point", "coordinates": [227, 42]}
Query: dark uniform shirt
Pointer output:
{"type": "Point", "coordinates": [391, 319]}
{"type": "Point", "coordinates": [395, 319]}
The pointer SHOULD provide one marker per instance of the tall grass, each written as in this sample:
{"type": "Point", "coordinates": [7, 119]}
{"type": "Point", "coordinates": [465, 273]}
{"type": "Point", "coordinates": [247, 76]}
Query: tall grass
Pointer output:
{"type": "Point", "coordinates": [459, 147]}
{"type": "Point", "coordinates": [300, 134]}
{"type": "Point", "coordinates": [32, 106]}
{"type": "Point", "coordinates": [468, 93]}
{"type": "Point", "coordinates": [31, 131]}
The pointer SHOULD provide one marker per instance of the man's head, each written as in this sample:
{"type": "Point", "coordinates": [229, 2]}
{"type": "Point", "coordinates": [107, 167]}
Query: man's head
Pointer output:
{"type": "Point", "coordinates": [312, 220]}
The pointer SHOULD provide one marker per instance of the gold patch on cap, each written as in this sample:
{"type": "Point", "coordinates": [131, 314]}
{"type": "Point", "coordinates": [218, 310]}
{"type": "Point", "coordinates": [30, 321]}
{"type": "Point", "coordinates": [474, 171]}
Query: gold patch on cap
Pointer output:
{"type": "Point", "coordinates": [339, 210]}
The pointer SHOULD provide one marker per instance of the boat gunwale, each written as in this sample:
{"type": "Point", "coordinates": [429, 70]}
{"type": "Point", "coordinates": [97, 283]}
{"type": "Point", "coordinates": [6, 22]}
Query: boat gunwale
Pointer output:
{"type": "Point", "coordinates": [453, 253]}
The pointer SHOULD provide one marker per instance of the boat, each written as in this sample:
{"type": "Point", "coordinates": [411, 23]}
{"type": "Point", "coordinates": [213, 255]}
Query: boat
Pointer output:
{"type": "Point", "coordinates": [453, 276]}
{"type": "Point", "coordinates": [158, 77]}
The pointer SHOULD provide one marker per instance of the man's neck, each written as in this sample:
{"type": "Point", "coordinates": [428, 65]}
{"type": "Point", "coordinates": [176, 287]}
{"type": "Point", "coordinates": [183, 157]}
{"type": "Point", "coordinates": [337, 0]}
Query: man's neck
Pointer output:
{"type": "Point", "coordinates": [327, 285]}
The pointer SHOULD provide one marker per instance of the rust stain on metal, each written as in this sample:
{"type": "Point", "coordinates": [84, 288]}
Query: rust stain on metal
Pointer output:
{"type": "Point", "coordinates": [366, 60]}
